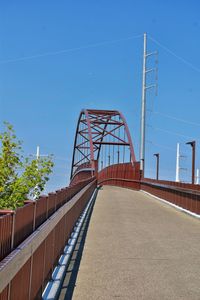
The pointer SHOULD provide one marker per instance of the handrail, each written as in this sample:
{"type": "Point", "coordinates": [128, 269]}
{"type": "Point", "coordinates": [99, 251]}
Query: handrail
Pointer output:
{"type": "Point", "coordinates": [166, 186]}
{"type": "Point", "coordinates": [12, 264]}
{"type": "Point", "coordinates": [24, 220]}
{"type": "Point", "coordinates": [171, 187]}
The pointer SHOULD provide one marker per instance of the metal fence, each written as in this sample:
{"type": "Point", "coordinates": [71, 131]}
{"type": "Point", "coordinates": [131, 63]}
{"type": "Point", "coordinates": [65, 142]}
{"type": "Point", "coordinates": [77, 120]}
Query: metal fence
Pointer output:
{"type": "Point", "coordinates": [122, 175]}
{"type": "Point", "coordinates": [22, 232]}
{"type": "Point", "coordinates": [184, 195]}
{"type": "Point", "coordinates": [31, 262]}
{"type": "Point", "coordinates": [16, 226]}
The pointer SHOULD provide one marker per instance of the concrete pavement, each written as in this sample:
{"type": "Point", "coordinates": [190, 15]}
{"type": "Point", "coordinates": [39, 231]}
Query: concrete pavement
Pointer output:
{"type": "Point", "coordinates": [139, 248]}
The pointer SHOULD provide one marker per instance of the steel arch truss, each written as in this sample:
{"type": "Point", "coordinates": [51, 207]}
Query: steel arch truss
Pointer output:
{"type": "Point", "coordinates": [102, 136]}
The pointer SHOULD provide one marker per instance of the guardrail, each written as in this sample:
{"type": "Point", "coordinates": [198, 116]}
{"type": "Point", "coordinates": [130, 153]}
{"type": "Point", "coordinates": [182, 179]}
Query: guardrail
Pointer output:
{"type": "Point", "coordinates": [25, 271]}
{"type": "Point", "coordinates": [183, 195]}
{"type": "Point", "coordinates": [35, 235]}
{"type": "Point", "coordinates": [16, 226]}
{"type": "Point", "coordinates": [122, 175]}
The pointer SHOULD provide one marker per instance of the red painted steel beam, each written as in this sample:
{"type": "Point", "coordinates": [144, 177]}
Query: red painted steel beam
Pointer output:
{"type": "Point", "coordinates": [94, 128]}
{"type": "Point", "coordinates": [111, 143]}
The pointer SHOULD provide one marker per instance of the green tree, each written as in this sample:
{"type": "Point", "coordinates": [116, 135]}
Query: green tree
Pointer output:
{"type": "Point", "coordinates": [20, 177]}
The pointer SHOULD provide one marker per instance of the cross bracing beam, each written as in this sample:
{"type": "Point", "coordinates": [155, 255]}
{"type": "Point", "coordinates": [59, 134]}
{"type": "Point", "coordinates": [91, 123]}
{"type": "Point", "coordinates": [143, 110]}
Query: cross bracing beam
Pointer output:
{"type": "Point", "coordinates": [97, 132]}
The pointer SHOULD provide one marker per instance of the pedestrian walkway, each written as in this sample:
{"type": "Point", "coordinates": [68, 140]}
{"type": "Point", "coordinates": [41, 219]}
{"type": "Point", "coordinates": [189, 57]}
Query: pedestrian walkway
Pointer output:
{"type": "Point", "coordinates": [138, 248]}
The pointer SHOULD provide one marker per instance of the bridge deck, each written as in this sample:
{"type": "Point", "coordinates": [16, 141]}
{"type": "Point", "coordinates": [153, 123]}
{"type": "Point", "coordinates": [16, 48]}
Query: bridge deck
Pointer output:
{"type": "Point", "coordinates": [139, 248]}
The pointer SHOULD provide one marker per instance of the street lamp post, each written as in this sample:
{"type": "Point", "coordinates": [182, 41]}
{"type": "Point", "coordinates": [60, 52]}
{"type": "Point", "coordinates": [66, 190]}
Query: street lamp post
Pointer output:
{"type": "Point", "coordinates": [193, 145]}
{"type": "Point", "coordinates": [157, 155]}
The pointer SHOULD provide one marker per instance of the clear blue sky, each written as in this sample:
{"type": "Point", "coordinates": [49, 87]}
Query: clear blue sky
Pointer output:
{"type": "Point", "coordinates": [43, 89]}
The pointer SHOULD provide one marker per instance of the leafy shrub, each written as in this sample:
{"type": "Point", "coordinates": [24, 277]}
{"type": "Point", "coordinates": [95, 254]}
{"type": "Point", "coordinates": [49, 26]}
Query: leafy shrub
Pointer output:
{"type": "Point", "coordinates": [20, 177]}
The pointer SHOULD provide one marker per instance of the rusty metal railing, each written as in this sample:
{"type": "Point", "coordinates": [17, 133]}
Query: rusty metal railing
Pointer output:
{"type": "Point", "coordinates": [33, 260]}
{"type": "Point", "coordinates": [186, 196]}
{"type": "Point", "coordinates": [16, 226]}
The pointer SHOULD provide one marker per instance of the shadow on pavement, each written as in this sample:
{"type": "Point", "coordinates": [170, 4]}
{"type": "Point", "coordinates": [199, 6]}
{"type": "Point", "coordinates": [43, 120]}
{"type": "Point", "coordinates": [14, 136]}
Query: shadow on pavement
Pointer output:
{"type": "Point", "coordinates": [72, 271]}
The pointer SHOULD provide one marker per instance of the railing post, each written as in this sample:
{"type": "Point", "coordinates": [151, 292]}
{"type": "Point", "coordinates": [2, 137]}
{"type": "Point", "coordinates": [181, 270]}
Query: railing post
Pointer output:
{"type": "Point", "coordinates": [12, 246]}
{"type": "Point", "coordinates": [47, 207]}
{"type": "Point", "coordinates": [44, 263]}
{"type": "Point", "coordinates": [31, 267]}
{"type": "Point", "coordinates": [30, 278]}
{"type": "Point", "coordinates": [13, 230]}
{"type": "Point", "coordinates": [34, 215]}
{"type": "Point", "coordinates": [55, 202]}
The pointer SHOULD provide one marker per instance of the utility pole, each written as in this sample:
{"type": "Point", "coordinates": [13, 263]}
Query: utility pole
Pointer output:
{"type": "Point", "coordinates": [118, 156]}
{"type": "Point", "coordinates": [38, 152]}
{"type": "Point", "coordinates": [197, 178]}
{"type": "Point", "coordinates": [193, 145]}
{"type": "Point", "coordinates": [143, 105]}
{"type": "Point", "coordinates": [109, 160]}
{"type": "Point", "coordinates": [157, 155]}
{"type": "Point", "coordinates": [179, 157]}
{"type": "Point", "coordinates": [178, 163]}
{"type": "Point", "coordinates": [143, 109]}
{"type": "Point", "coordinates": [37, 158]}
{"type": "Point", "coordinates": [38, 155]}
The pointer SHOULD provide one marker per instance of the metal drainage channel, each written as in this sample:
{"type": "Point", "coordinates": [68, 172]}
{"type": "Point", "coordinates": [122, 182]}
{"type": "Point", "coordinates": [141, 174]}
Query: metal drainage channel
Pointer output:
{"type": "Point", "coordinates": [53, 287]}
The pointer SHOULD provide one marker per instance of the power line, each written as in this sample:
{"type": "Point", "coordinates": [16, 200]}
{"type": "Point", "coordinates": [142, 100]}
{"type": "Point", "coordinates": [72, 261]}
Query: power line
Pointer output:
{"type": "Point", "coordinates": [183, 60]}
{"type": "Point", "coordinates": [69, 50]}
{"type": "Point", "coordinates": [172, 132]}
{"type": "Point", "coordinates": [176, 119]}
{"type": "Point", "coordinates": [161, 146]}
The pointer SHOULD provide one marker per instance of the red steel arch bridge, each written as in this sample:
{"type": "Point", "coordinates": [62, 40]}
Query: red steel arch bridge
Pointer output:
{"type": "Point", "coordinates": [102, 139]}
{"type": "Point", "coordinates": [139, 231]}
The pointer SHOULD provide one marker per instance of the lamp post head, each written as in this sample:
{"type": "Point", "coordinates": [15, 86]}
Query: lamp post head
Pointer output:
{"type": "Point", "coordinates": [156, 154]}
{"type": "Point", "coordinates": [192, 143]}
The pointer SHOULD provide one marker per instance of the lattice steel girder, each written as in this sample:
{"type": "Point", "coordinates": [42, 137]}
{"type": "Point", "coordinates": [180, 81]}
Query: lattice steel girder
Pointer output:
{"type": "Point", "coordinates": [111, 143]}
{"type": "Point", "coordinates": [96, 128]}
